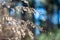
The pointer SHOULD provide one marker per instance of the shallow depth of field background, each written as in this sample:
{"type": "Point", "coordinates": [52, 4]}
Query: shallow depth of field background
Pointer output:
{"type": "Point", "coordinates": [46, 16]}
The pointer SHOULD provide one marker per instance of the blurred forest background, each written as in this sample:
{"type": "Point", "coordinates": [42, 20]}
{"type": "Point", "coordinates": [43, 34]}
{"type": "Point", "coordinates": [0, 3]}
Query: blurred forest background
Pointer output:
{"type": "Point", "coordinates": [29, 19]}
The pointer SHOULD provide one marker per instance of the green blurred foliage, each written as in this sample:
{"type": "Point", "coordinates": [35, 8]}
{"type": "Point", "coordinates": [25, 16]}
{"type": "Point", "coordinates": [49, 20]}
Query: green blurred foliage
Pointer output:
{"type": "Point", "coordinates": [49, 36]}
